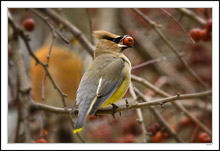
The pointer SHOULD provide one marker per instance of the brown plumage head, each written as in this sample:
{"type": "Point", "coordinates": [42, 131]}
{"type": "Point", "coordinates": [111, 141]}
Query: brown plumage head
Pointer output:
{"type": "Point", "coordinates": [111, 43]}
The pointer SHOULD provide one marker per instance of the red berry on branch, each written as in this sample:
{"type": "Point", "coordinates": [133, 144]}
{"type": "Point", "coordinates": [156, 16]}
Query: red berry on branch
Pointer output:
{"type": "Point", "coordinates": [9, 51]}
{"type": "Point", "coordinates": [205, 35]}
{"type": "Point", "coordinates": [157, 138]}
{"type": "Point", "coordinates": [12, 9]}
{"type": "Point", "coordinates": [29, 24]}
{"type": "Point", "coordinates": [154, 128]}
{"type": "Point", "coordinates": [126, 139]}
{"type": "Point", "coordinates": [208, 25]}
{"type": "Point", "coordinates": [185, 121]}
{"type": "Point", "coordinates": [40, 140]}
{"type": "Point", "coordinates": [195, 34]}
{"type": "Point", "coordinates": [204, 138]}
{"type": "Point", "coordinates": [200, 10]}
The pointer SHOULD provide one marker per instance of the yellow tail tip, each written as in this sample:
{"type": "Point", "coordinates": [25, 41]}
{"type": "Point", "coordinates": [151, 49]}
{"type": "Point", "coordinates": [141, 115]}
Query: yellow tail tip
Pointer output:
{"type": "Point", "coordinates": [77, 130]}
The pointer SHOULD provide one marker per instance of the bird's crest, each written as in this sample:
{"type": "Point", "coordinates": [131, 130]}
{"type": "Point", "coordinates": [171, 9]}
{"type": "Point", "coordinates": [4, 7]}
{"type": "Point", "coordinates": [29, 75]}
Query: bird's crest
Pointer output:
{"type": "Point", "coordinates": [101, 34]}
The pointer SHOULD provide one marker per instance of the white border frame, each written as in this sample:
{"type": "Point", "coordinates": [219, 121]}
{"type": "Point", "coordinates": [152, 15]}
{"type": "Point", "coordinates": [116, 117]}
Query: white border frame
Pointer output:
{"type": "Point", "coordinates": [107, 4]}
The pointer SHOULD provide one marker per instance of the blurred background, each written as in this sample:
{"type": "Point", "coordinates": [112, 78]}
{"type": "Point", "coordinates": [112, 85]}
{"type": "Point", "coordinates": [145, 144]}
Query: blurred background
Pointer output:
{"type": "Point", "coordinates": [189, 34]}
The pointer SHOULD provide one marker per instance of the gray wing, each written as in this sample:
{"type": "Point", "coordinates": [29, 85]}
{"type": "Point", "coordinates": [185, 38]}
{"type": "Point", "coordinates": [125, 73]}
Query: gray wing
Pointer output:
{"type": "Point", "coordinates": [111, 80]}
{"type": "Point", "coordinates": [110, 88]}
{"type": "Point", "coordinates": [110, 72]}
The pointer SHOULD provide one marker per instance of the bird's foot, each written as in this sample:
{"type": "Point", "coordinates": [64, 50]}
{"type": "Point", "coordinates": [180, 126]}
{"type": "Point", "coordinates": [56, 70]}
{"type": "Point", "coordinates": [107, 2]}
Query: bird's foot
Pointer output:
{"type": "Point", "coordinates": [96, 115]}
{"type": "Point", "coordinates": [114, 107]}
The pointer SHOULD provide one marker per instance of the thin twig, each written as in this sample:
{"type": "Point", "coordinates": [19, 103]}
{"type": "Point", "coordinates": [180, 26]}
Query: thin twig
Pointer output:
{"type": "Point", "coordinates": [45, 66]}
{"type": "Point", "coordinates": [178, 24]}
{"type": "Point", "coordinates": [139, 113]}
{"type": "Point", "coordinates": [47, 21]}
{"type": "Point", "coordinates": [90, 25]}
{"type": "Point", "coordinates": [171, 46]}
{"type": "Point", "coordinates": [200, 120]}
{"type": "Point", "coordinates": [160, 117]}
{"type": "Point", "coordinates": [192, 15]}
{"type": "Point", "coordinates": [148, 62]}
{"type": "Point", "coordinates": [55, 33]}
{"type": "Point", "coordinates": [74, 30]}
{"type": "Point", "coordinates": [48, 59]}
{"type": "Point", "coordinates": [164, 94]}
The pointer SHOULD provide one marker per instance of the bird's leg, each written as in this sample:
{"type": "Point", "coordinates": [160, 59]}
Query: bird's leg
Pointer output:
{"type": "Point", "coordinates": [114, 107]}
{"type": "Point", "coordinates": [120, 114]}
{"type": "Point", "coordinates": [96, 115]}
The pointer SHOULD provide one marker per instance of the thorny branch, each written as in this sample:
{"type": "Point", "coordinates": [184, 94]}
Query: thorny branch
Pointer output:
{"type": "Point", "coordinates": [108, 110]}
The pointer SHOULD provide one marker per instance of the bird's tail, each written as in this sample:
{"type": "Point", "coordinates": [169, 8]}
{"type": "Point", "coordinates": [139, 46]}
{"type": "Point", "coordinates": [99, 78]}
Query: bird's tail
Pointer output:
{"type": "Point", "coordinates": [84, 110]}
{"type": "Point", "coordinates": [79, 123]}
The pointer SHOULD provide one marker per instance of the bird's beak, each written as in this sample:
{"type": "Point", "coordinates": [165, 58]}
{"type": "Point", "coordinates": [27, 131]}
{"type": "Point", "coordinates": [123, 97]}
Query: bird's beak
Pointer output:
{"type": "Point", "coordinates": [122, 46]}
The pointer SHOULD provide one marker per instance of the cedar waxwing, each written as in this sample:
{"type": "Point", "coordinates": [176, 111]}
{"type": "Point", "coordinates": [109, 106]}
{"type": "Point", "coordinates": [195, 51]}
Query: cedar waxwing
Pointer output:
{"type": "Point", "coordinates": [107, 79]}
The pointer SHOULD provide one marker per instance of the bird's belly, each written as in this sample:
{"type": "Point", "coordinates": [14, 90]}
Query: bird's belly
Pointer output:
{"type": "Point", "coordinates": [119, 93]}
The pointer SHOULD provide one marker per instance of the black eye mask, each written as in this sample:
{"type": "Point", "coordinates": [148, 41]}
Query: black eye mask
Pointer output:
{"type": "Point", "coordinates": [115, 40]}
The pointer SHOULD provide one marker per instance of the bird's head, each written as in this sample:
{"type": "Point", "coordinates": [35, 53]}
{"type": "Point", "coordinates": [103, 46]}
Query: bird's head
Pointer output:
{"type": "Point", "coordinates": [111, 43]}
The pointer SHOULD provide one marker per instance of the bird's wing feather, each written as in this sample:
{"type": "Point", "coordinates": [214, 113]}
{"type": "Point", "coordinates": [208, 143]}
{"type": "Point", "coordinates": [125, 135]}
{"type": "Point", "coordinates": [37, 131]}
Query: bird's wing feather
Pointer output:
{"type": "Point", "coordinates": [110, 72]}
{"type": "Point", "coordinates": [109, 83]}
{"type": "Point", "coordinates": [108, 93]}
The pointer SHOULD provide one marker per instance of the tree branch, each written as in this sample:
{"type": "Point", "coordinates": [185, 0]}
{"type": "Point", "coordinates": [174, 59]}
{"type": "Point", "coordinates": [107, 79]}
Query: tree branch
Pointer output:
{"type": "Point", "coordinates": [74, 30]}
{"type": "Point", "coordinates": [90, 25]}
{"type": "Point", "coordinates": [148, 62]}
{"type": "Point", "coordinates": [192, 15]}
{"type": "Point", "coordinates": [164, 94]}
{"type": "Point", "coordinates": [45, 67]}
{"type": "Point", "coordinates": [108, 110]}
{"type": "Point", "coordinates": [140, 115]}
{"type": "Point", "coordinates": [160, 117]}
{"type": "Point", "coordinates": [23, 83]}
{"type": "Point", "coordinates": [183, 29]}
{"type": "Point", "coordinates": [171, 46]}
{"type": "Point", "coordinates": [54, 30]}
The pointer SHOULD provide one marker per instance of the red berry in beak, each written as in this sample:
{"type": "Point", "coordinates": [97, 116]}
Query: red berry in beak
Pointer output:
{"type": "Point", "coordinates": [128, 41]}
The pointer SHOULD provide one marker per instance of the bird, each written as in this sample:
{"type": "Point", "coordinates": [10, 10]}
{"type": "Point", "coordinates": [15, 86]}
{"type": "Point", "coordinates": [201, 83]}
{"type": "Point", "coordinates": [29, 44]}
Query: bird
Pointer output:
{"type": "Point", "coordinates": [107, 78]}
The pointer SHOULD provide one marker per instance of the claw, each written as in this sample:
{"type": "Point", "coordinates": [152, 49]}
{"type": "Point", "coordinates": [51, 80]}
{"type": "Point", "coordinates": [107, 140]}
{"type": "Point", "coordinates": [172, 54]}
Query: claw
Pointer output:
{"type": "Point", "coordinates": [114, 107]}
{"type": "Point", "coordinates": [126, 101]}
{"type": "Point", "coordinates": [96, 115]}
